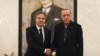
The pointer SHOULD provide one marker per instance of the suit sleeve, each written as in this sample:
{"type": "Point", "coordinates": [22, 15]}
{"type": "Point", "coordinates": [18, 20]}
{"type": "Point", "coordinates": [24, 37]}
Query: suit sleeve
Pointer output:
{"type": "Point", "coordinates": [53, 46]}
{"type": "Point", "coordinates": [31, 43]}
{"type": "Point", "coordinates": [48, 44]}
{"type": "Point", "coordinates": [80, 41]}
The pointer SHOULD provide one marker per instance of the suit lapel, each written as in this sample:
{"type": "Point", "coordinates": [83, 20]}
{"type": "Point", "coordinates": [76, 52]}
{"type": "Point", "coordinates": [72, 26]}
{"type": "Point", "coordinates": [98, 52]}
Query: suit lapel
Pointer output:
{"type": "Point", "coordinates": [45, 33]}
{"type": "Point", "coordinates": [37, 35]}
{"type": "Point", "coordinates": [51, 10]}
{"type": "Point", "coordinates": [51, 13]}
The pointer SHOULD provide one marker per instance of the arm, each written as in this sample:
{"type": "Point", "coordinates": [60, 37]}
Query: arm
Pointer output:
{"type": "Point", "coordinates": [31, 43]}
{"type": "Point", "coordinates": [80, 41]}
{"type": "Point", "coordinates": [53, 46]}
{"type": "Point", "coordinates": [48, 44]}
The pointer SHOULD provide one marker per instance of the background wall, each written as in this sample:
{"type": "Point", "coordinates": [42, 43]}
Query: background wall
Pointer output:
{"type": "Point", "coordinates": [9, 27]}
{"type": "Point", "coordinates": [89, 18]}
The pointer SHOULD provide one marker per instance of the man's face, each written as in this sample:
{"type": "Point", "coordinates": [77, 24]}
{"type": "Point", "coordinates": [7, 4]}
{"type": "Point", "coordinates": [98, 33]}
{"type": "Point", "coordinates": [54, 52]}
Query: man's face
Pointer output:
{"type": "Point", "coordinates": [40, 20]}
{"type": "Point", "coordinates": [66, 16]}
{"type": "Point", "coordinates": [44, 2]}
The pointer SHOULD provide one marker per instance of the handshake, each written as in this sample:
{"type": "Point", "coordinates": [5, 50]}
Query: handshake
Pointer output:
{"type": "Point", "coordinates": [48, 52]}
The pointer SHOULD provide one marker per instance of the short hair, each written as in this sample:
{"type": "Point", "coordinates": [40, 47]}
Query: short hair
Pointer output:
{"type": "Point", "coordinates": [40, 12]}
{"type": "Point", "coordinates": [67, 9]}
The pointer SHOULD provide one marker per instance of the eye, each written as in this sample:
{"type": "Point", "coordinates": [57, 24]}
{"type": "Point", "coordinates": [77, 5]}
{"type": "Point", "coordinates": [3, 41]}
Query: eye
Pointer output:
{"type": "Point", "coordinates": [64, 15]}
{"type": "Point", "coordinates": [39, 18]}
{"type": "Point", "coordinates": [67, 14]}
{"type": "Point", "coordinates": [43, 18]}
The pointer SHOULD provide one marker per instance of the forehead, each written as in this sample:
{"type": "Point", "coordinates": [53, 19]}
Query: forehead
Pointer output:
{"type": "Point", "coordinates": [65, 12]}
{"type": "Point", "coordinates": [42, 15]}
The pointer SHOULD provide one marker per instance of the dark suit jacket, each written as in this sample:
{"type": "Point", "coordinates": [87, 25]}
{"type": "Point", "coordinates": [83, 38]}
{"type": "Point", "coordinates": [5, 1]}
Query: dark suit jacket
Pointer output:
{"type": "Point", "coordinates": [50, 18]}
{"type": "Point", "coordinates": [35, 43]}
{"type": "Point", "coordinates": [74, 41]}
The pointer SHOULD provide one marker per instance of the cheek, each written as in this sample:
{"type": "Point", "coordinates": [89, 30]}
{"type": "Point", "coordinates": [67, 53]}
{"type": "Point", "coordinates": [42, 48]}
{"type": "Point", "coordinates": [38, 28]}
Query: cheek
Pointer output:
{"type": "Point", "coordinates": [41, 22]}
{"type": "Point", "coordinates": [36, 21]}
{"type": "Point", "coordinates": [44, 21]}
{"type": "Point", "coordinates": [69, 18]}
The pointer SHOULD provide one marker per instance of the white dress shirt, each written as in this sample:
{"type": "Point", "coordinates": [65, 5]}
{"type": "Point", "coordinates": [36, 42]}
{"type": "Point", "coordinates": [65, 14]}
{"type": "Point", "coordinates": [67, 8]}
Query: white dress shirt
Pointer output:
{"type": "Point", "coordinates": [42, 32]}
{"type": "Point", "coordinates": [46, 8]}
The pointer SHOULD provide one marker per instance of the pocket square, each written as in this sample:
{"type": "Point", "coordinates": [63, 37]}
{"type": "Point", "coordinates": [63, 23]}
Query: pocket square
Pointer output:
{"type": "Point", "coordinates": [56, 19]}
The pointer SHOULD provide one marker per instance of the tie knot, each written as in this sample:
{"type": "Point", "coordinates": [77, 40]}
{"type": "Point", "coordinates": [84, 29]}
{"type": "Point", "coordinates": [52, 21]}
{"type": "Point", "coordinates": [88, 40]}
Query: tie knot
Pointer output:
{"type": "Point", "coordinates": [40, 30]}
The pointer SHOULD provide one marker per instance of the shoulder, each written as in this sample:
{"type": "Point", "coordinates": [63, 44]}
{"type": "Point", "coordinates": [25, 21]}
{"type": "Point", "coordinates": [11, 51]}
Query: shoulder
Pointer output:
{"type": "Point", "coordinates": [76, 25]}
{"type": "Point", "coordinates": [31, 28]}
{"type": "Point", "coordinates": [59, 25]}
{"type": "Point", "coordinates": [46, 29]}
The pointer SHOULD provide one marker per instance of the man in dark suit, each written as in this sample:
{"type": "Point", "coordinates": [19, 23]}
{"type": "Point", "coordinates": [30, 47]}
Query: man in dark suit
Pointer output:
{"type": "Point", "coordinates": [52, 14]}
{"type": "Point", "coordinates": [68, 39]}
{"type": "Point", "coordinates": [38, 37]}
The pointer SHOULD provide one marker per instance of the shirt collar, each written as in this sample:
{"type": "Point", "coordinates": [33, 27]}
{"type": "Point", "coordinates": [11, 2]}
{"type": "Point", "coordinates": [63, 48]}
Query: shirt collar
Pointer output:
{"type": "Point", "coordinates": [39, 27]}
{"type": "Point", "coordinates": [48, 5]}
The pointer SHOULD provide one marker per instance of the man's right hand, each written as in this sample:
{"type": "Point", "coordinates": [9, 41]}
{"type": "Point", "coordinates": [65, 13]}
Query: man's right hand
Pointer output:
{"type": "Point", "coordinates": [48, 52]}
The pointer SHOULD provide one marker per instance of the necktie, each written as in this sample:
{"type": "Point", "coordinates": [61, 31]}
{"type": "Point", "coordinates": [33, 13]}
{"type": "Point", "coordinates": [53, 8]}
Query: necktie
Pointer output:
{"type": "Point", "coordinates": [41, 35]}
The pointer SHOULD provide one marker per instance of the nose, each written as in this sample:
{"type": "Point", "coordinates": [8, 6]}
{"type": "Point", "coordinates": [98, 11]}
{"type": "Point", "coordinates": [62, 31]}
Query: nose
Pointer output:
{"type": "Point", "coordinates": [41, 19]}
{"type": "Point", "coordinates": [65, 16]}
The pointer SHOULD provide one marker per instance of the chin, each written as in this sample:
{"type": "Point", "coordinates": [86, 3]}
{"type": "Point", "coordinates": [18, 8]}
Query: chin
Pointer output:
{"type": "Point", "coordinates": [67, 22]}
{"type": "Point", "coordinates": [40, 24]}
